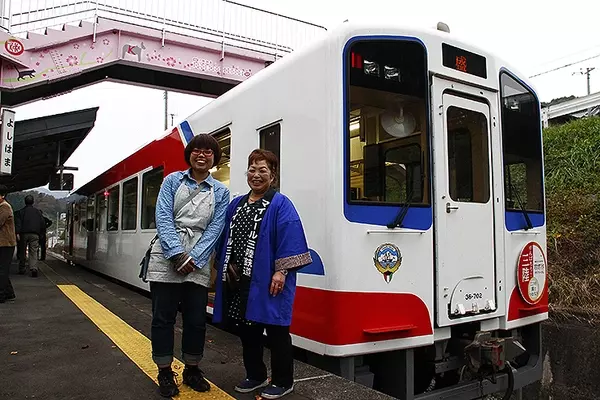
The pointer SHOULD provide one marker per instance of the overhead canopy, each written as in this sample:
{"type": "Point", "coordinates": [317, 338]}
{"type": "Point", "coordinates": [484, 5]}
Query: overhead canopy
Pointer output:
{"type": "Point", "coordinates": [40, 144]}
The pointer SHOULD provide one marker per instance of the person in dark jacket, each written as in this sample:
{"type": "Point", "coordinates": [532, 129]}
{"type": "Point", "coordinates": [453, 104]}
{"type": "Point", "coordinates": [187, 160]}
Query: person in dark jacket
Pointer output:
{"type": "Point", "coordinates": [30, 227]}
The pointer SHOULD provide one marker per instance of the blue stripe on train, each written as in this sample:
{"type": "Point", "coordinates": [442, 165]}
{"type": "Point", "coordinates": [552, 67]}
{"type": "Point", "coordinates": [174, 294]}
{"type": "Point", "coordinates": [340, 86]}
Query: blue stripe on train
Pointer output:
{"type": "Point", "coordinates": [515, 220]}
{"type": "Point", "coordinates": [186, 129]}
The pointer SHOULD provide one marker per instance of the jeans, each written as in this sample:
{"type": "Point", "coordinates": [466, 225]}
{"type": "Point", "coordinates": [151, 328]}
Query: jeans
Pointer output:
{"type": "Point", "coordinates": [6, 289]}
{"type": "Point", "coordinates": [166, 298]}
{"type": "Point", "coordinates": [282, 357]}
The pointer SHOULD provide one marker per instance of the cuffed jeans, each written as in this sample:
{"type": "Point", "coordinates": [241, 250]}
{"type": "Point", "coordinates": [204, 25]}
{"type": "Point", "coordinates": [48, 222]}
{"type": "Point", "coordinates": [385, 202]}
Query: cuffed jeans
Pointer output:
{"type": "Point", "coordinates": [166, 298]}
{"type": "Point", "coordinates": [282, 357]}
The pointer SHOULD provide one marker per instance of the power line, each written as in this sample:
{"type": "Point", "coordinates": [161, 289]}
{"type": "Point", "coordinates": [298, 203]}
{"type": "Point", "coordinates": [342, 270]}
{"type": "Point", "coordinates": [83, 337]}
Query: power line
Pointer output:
{"type": "Point", "coordinates": [565, 66]}
{"type": "Point", "coordinates": [570, 55]}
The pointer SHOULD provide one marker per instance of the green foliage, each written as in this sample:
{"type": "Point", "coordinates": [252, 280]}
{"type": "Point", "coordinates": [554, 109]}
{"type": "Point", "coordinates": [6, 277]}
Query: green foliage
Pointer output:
{"type": "Point", "coordinates": [572, 170]}
{"type": "Point", "coordinates": [558, 100]}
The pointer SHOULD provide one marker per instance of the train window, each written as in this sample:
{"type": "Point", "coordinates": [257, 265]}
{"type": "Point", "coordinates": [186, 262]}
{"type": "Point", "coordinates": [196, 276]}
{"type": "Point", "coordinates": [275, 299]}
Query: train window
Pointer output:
{"type": "Point", "coordinates": [468, 156]}
{"type": "Point", "coordinates": [221, 172]}
{"type": "Point", "coordinates": [522, 146]}
{"type": "Point", "coordinates": [403, 174]}
{"type": "Point", "coordinates": [113, 209]}
{"type": "Point", "coordinates": [150, 187]}
{"type": "Point", "coordinates": [90, 214]}
{"type": "Point", "coordinates": [130, 198]}
{"type": "Point", "coordinates": [387, 147]}
{"type": "Point", "coordinates": [101, 212]}
{"type": "Point", "coordinates": [270, 139]}
{"type": "Point", "coordinates": [80, 224]}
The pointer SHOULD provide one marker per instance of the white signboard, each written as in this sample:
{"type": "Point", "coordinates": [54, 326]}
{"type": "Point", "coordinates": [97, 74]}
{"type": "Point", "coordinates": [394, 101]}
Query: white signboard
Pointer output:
{"type": "Point", "coordinates": [7, 133]}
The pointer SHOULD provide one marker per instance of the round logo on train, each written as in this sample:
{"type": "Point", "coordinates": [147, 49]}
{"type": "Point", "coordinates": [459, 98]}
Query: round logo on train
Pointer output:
{"type": "Point", "coordinates": [532, 273]}
{"type": "Point", "coordinates": [387, 260]}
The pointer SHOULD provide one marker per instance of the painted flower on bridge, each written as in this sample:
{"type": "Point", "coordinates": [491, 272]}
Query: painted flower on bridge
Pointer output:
{"type": "Point", "coordinates": [100, 60]}
{"type": "Point", "coordinates": [170, 61]}
{"type": "Point", "coordinates": [76, 46]}
{"type": "Point", "coordinates": [106, 42]}
{"type": "Point", "coordinates": [72, 60]}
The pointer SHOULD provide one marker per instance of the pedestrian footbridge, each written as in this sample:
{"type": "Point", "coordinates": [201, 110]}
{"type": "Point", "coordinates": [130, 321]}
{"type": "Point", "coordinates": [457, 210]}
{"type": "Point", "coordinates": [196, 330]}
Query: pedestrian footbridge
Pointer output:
{"type": "Point", "coordinates": [204, 47]}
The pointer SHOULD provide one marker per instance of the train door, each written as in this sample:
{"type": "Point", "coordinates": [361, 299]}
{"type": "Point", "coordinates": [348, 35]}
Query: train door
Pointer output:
{"type": "Point", "coordinates": [90, 228]}
{"type": "Point", "coordinates": [464, 206]}
{"type": "Point", "coordinates": [72, 222]}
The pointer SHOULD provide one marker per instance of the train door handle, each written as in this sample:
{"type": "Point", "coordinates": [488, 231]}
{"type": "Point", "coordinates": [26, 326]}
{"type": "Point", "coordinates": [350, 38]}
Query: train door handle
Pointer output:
{"type": "Point", "coordinates": [449, 208]}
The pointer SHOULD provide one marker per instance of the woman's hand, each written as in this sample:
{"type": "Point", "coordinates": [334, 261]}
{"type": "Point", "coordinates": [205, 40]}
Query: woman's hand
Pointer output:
{"type": "Point", "coordinates": [277, 283]}
{"type": "Point", "coordinates": [233, 276]}
{"type": "Point", "coordinates": [183, 263]}
{"type": "Point", "coordinates": [186, 268]}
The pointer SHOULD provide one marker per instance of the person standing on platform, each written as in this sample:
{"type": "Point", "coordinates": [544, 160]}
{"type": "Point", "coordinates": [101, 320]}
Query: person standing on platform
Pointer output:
{"type": "Point", "coordinates": [261, 250]}
{"type": "Point", "coordinates": [8, 241]}
{"type": "Point", "coordinates": [190, 216]}
{"type": "Point", "coordinates": [30, 227]}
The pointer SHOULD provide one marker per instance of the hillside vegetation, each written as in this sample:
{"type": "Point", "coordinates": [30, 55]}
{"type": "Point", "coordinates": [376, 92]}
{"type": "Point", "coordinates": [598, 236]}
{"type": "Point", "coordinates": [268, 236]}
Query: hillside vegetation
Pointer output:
{"type": "Point", "coordinates": [572, 168]}
{"type": "Point", "coordinates": [48, 204]}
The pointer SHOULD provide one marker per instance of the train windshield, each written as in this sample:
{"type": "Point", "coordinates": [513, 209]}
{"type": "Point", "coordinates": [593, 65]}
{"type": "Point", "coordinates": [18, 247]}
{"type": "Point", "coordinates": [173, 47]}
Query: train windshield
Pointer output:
{"type": "Point", "coordinates": [386, 136]}
{"type": "Point", "coordinates": [522, 146]}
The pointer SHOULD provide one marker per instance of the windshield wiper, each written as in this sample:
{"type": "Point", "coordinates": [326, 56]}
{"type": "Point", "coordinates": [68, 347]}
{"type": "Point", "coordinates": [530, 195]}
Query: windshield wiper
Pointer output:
{"type": "Point", "coordinates": [402, 213]}
{"type": "Point", "coordinates": [527, 220]}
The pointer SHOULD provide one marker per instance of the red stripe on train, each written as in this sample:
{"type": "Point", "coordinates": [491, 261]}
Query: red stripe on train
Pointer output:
{"type": "Point", "coordinates": [518, 308]}
{"type": "Point", "coordinates": [340, 318]}
{"type": "Point", "coordinates": [166, 152]}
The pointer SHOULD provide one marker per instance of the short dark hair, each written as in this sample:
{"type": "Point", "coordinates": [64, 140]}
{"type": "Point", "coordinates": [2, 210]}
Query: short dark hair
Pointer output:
{"type": "Point", "coordinates": [29, 200]}
{"type": "Point", "coordinates": [3, 190]}
{"type": "Point", "coordinates": [203, 141]}
{"type": "Point", "coordinates": [269, 157]}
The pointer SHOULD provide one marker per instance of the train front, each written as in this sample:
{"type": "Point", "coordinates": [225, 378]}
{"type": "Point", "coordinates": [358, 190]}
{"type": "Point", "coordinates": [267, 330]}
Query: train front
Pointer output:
{"type": "Point", "coordinates": [444, 285]}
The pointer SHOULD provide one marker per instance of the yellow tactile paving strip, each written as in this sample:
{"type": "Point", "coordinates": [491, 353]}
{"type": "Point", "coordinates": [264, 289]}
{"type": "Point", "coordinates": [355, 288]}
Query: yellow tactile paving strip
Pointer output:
{"type": "Point", "coordinates": [135, 345]}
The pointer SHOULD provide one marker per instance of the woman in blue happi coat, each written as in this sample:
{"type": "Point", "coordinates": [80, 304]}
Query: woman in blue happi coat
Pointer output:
{"type": "Point", "coordinates": [262, 247]}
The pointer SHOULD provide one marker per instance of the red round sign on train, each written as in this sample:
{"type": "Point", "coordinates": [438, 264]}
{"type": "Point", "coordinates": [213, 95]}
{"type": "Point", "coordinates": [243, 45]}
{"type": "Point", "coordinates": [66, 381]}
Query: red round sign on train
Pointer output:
{"type": "Point", "coordinates": [14, 47]}
{"type": "Point", "coordinates": [532, 273]}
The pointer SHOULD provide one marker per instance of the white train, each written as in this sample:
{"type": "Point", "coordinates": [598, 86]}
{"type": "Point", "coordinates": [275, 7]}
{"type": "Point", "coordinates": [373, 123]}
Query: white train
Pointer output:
{"type": "Point", "coordinates": [415, 162]}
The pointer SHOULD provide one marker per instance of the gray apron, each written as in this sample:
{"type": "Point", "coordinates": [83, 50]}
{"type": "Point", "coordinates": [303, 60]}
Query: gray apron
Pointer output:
{"type": "Point", "coordinates": [190, 223]}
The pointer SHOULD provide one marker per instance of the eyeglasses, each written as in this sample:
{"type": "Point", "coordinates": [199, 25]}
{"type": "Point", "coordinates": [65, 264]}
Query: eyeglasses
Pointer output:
{"type": "Point", "coordinates": [206, 152]}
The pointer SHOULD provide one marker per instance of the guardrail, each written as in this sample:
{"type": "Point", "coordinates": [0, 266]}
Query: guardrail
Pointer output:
{"type": "Point", "coordinates": [573, 106]}
{"type": "Point", "coordinates": [225, 21]}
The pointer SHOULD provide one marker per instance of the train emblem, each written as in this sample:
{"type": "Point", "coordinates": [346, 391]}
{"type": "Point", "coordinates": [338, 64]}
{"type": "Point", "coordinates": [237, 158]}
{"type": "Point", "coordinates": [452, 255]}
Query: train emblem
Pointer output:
{"type": "Point", "coordinates": [387, 259]}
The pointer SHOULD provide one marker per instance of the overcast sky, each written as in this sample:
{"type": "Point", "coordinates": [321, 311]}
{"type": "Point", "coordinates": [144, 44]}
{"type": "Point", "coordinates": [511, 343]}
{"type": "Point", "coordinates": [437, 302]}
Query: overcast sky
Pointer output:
{"type": "Point", "coordinates": [532, 35]}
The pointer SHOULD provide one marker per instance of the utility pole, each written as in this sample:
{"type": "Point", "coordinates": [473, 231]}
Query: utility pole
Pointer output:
{"type": "Point", "coordinates": [166, 96]}
{"type": "Point", "coordinates": [587, 71]}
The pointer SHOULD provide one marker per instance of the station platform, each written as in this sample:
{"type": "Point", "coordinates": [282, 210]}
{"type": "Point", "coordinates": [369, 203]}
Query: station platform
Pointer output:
{"type": "Point", "coordinates": [72, 334]}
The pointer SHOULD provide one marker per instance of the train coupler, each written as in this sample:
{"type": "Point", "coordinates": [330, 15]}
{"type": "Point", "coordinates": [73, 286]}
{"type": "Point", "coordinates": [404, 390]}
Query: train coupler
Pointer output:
{"type": "Point", "coordinates": [488, 355]}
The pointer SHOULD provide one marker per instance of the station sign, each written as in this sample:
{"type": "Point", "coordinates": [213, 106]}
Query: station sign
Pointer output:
{"type": "Point", "coordinates": [7, 136]}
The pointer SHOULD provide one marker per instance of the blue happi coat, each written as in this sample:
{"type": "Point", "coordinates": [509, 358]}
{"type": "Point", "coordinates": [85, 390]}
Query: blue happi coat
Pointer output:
{"type": "Point", "coordinates": [281, 245]}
